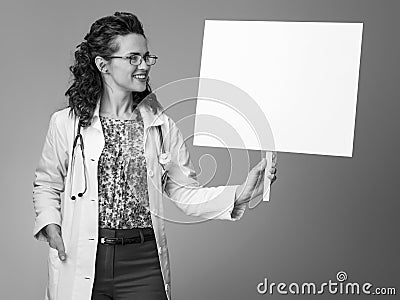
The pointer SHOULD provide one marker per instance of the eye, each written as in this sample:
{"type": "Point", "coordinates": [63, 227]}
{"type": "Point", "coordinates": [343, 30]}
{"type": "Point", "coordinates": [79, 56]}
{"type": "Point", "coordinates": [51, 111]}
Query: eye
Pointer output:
{"type": "Point", "coordinates": [134, 58]}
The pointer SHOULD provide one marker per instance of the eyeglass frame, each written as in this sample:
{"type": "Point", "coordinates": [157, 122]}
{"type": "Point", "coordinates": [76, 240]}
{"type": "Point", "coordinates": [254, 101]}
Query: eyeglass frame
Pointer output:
{"type": "Point", "coordinates": [141, 58]}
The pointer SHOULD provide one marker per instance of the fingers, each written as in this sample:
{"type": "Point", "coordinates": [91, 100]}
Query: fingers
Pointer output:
{"type": "Point", "coordinates": [272, 178]}
{"type": "Point", "coordinates": [263, 164]}
{"type": "Point", "coordinates": [57, 243]}
{"type": "Point", "coordinates": [274, 156]}
{"type": "Point", "coordinates": [260, 167]}
{"type": "Point", "coordinates": [272, 175]}
{"type": "Point", "coordinates": [61, 249]}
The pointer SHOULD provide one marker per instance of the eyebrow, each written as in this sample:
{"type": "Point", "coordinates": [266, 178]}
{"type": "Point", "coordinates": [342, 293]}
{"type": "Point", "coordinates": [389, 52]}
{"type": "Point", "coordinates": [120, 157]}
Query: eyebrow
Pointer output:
{"type": "Point", "coordinates": [138, 53]}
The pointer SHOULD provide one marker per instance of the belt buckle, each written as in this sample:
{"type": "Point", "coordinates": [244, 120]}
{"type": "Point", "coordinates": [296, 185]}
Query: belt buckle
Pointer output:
{"type": "Point", "coordinates": [113, 241]}
{"type": "Point", "coordinates": [102, 240]}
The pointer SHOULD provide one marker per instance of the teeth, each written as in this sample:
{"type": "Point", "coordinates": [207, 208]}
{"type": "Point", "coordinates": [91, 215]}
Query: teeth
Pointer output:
{"type": "Point", "coordinates": [139, 76]}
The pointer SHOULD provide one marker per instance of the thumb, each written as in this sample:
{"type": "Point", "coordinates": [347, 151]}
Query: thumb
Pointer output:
{"type": "Point", "coordinates": [61, 249]}
{"type": "Point", "coordinates": [261, 165]}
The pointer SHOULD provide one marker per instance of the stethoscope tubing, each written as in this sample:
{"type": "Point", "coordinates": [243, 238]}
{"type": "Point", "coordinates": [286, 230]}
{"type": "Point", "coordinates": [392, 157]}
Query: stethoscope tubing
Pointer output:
{"type": "Point", "coordinates": [82, 147]}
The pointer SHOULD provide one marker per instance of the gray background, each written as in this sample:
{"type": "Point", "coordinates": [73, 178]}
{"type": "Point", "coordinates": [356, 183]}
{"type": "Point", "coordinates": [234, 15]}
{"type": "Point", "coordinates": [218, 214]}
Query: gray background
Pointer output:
{"type": "Point", "coordinates": [326, 213]}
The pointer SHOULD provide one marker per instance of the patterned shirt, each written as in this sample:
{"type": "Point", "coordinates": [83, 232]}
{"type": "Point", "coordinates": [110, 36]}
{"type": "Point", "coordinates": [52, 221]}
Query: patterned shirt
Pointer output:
{"type": "Point", "coordinates": [122, 175]}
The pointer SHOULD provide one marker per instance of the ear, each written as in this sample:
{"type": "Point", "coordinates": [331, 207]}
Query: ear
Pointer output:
{"type": "Point", "coordinates": [101, 64]}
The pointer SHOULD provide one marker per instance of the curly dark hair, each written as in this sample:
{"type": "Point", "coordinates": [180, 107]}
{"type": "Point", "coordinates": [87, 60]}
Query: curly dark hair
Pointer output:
{"type": "Point", "coordinates": [87, 86]}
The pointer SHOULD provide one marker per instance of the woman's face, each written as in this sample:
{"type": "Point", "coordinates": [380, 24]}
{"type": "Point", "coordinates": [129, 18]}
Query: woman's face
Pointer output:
{"type": "Point", "coordinates": [121, 72]}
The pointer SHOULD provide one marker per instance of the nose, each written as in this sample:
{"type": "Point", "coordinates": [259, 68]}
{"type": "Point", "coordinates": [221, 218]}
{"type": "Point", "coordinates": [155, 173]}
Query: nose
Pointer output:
{"type": "Point", "coordinates": [143, 65]}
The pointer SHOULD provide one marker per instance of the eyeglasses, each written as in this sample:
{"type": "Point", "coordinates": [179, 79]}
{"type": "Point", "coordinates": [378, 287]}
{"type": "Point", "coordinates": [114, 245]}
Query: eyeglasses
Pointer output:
{"type": "Point", "coordinates": [136, 59]}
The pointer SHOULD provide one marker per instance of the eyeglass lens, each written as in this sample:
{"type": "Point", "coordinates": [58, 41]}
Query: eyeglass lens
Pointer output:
{"type": "Point", "coordinates": [137, 59]}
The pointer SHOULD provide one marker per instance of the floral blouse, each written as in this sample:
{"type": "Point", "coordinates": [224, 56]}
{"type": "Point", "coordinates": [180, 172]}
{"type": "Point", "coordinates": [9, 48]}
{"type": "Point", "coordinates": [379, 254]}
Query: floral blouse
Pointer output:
{"type": "Point", "coordinates": [122, 175]}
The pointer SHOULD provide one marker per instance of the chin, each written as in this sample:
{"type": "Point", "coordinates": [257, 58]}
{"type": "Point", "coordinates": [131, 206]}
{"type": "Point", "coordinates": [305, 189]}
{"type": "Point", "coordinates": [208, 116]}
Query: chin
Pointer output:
{"type": "Point", "coordinates": [139, 89]}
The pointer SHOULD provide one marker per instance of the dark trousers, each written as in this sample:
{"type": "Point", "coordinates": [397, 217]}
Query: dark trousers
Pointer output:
{"type": "Point", "coordinates": [127, 272]}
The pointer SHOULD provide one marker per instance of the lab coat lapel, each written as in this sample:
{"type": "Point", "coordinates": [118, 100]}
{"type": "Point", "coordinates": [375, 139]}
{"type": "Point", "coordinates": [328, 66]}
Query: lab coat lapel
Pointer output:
{"type": "Point", "coordinates": [149, 120]}
{"type": "Point", "coordinates": [94, 138]}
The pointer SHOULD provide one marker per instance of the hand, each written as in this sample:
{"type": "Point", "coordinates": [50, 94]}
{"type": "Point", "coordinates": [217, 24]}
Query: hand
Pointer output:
{"type": "Point", "coordinates": [254, 184]}
{"type": "Point", "coordinates": [53, 233]}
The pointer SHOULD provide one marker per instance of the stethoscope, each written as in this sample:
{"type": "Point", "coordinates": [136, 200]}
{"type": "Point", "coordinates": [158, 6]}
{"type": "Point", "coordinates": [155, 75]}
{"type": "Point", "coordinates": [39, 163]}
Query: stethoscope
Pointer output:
{"type": "Point", "coordinates": [78, 138]}
{"type": "Point", "coordinates": [78, 141]}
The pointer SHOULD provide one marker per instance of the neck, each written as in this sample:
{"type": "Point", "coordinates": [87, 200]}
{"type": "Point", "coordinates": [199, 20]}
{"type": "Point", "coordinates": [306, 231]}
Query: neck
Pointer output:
{"type": "Point", "coordinates": [117, 105]}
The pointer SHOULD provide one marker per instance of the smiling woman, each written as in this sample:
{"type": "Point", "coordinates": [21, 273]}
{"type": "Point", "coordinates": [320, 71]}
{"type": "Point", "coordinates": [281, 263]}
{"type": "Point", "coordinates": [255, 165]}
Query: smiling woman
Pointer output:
{"type": "Point", "coordinates": [120, 36]}
{"type": "Point", "coordinates": [106, 231]}
{"type": "Point", "coordinates": [128, 76]}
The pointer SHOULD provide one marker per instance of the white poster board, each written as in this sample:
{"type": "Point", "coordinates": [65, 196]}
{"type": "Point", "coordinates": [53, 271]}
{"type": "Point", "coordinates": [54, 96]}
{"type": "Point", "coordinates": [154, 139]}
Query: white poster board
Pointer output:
{"type": "Point", "coordinates": [303, 76]}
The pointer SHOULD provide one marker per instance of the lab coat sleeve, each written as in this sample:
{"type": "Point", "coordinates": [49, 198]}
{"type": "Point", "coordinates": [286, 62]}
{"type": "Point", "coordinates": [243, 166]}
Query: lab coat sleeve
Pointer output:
{"type": "Point", "coordinates": [48, 183]}
{"type": "Point", "coordinates": [185, 191]}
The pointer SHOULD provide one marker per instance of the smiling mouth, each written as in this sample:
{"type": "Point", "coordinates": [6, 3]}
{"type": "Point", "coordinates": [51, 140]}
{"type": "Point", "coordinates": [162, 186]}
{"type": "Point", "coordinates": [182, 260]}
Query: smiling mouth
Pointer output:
{"type": "Point", "coordinates": [140, 77]}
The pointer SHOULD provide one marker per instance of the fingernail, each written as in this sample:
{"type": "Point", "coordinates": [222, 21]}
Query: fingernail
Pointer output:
{"type": "Point", "coordinates": [62, 257]}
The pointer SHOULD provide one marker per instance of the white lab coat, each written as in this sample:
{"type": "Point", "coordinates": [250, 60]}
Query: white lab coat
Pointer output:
{"type": "Point", "coordinates": [73, 279]}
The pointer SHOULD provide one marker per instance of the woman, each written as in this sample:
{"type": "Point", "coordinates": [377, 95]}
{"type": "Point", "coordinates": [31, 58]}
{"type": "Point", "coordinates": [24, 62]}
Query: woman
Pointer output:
{"type": "Point", "coordinates": [98, 185]}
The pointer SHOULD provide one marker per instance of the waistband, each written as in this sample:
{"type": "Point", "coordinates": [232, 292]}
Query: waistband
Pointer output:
{"type": "Point", "coordinates": [126, 233]}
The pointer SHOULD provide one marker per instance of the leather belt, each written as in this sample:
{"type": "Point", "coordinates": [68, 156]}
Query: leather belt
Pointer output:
{"type": "Point", "coordinates": [124, 240]}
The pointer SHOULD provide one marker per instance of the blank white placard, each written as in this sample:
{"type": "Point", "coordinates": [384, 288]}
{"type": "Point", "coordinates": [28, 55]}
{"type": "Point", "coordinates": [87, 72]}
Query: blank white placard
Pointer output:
{"type": "Point", "coordinates": [302, 75]}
